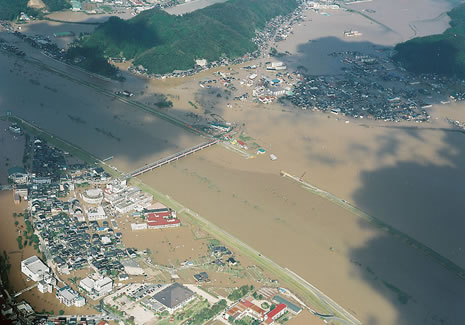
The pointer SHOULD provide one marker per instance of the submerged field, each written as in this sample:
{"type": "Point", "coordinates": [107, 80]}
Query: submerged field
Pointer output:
{"type": "Point", "coordinates": [408, 175]}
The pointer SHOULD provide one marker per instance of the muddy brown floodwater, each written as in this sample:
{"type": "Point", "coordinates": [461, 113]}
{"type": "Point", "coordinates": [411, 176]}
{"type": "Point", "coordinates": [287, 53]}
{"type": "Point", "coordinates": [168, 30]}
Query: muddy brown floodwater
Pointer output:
{"type": "Point", "coordinates": [379, 279]}
{"type": "Point", "coordinates": [18, 281]}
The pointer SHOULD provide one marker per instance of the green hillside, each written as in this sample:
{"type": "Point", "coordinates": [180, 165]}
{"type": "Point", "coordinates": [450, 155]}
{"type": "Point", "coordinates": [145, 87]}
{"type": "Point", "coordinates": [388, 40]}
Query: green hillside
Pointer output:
{"type": "Point", "coordinates": [10, 9]}
{"type": "Point", "coordinates": [442, 54]}
{"type": "Point", "coordinates": [56, 5]}
{"type": "Point", "coordinates": [163, 43]}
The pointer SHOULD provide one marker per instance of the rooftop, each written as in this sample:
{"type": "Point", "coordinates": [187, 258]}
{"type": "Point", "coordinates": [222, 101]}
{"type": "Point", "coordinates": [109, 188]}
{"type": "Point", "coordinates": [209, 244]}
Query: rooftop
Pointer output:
{"type": "Point", "coordinates": [276, 310]}
{"type": "Point", "coordinates": [174, 295]}
{"type": "Point", "coordinates": [35, 265]}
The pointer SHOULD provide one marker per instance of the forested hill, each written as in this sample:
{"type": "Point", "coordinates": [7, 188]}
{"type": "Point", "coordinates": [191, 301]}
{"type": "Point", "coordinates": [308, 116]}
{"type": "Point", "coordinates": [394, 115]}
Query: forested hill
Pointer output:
{"type": "Point", "coordinates": [442, 54]}
{"type": "Point", "coordinates": [10, 9]}
{"type": "Point", "coordinates": [163, 43]}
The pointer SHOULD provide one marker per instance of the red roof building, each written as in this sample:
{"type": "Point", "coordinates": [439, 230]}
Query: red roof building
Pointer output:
{"type": "Point", "coordinates": [155, 222]}
{"type": "Point", "coordinates": [277, 312]}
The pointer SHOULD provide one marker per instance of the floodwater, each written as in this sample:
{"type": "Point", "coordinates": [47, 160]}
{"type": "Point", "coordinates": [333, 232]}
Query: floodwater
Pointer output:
{"type": "Point", "coordinates": [190, 6]}
{"type": "Point", "coordinates": [394, 22]}
{"type": "Point", "coordinates": [406, 174]}
{"type": "Point", "coordinates": [358, 265]}
{"type": "Point", "coordinates": [11, 151]}
{"type": "Point", "coordinates": [8, 234]}
{"type": "Point", "coordinates": [101, 124]}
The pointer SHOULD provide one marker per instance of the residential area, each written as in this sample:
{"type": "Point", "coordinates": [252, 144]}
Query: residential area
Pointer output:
{"type": "Point", "coordinates": [103, 244]}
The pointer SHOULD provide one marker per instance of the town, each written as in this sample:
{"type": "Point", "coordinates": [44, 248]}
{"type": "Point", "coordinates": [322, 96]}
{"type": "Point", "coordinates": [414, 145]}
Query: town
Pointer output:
{"type": "Point", "coordinates": [78, 217]}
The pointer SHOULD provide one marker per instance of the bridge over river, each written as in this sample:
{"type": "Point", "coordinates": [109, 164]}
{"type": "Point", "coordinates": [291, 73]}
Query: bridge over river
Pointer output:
{"type": "Point", "coordinates": [171, 158]}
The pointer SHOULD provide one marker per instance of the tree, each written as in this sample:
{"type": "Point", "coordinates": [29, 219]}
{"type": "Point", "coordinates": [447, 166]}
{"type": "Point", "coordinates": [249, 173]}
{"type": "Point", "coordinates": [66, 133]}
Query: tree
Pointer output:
{"type": "Point", "coordinates": [61, 312]}
{"type": "Point", "coordinates": [19, 240]}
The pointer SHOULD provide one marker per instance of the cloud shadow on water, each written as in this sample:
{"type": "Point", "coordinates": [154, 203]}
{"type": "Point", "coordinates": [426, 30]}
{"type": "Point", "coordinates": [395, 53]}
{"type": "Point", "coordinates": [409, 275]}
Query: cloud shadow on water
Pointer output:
{"type": "Point", "coordinates": [101, 124]}
{"type": "Point", "coordinates": [425, 201]}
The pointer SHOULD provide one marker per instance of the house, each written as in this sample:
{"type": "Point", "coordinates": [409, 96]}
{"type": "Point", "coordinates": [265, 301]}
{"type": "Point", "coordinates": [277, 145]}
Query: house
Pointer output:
{"type": "Point", "coordinates": [277, 312]}
{"type": "Point", "coordinates": [242, 144]}
{"type": "Point", "coordinates": [290, 306]}
{"type": "Point", "coordinates": [231, 261]}
{"type": "Point", "coordinates": [123, 276]}
{"type": "Point", "coordinates": [245, 308]}
{"type": "Point", "coordinates": [69, 297]}
{"type": "Point", "coordinates": [156, 222]}
{"type": "Point", "coordinates": [201, 277]}
{"type": "Point", "coordinates": [174, 297]}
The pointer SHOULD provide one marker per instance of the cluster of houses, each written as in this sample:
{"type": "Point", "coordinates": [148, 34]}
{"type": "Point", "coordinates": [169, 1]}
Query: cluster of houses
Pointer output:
{"type": "Point", "coordinates": [72, 228]}
{"type": "Point", "coordinates": [279, 27]}
{"type": "Point", "coordinates": [371, 86]}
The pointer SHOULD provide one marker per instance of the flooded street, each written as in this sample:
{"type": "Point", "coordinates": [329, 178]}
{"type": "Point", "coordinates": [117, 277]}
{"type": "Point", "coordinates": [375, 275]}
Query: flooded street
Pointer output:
{"type": "Point", "coordinates": [411, 176]}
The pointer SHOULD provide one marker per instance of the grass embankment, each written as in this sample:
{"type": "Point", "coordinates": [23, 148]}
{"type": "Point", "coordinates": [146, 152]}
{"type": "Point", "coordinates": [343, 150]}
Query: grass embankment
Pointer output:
{"type": "Point", "coordinates": [242, 248]}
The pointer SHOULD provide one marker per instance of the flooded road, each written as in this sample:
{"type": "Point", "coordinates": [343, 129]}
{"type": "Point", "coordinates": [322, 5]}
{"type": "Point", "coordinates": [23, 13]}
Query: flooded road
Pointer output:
{"type": "Point", "coordinates": [408, 175]}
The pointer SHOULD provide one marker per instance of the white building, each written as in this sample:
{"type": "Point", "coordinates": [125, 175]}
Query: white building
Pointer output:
{"type": "Point", "coordinates": [69, 297]}
{"type": "Point", "coordinates": [103, 286]}
{"type": "Point", "coordinates": [99, 287]}
{"type": "Point", "coordinates": [44, 287]}
{"type": "Point", "coordinates": [138, 226]}
{"type": "Point", "coordinates": [87, 284]}
{"type": "Point", "coordinates": [34, 268]}
{"type": "Point", "coordinates": [93, 196]}
{"type": "Point", "coordinates": [96, 213]}
{"type": "Point", "coordinates": [201, 62]}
